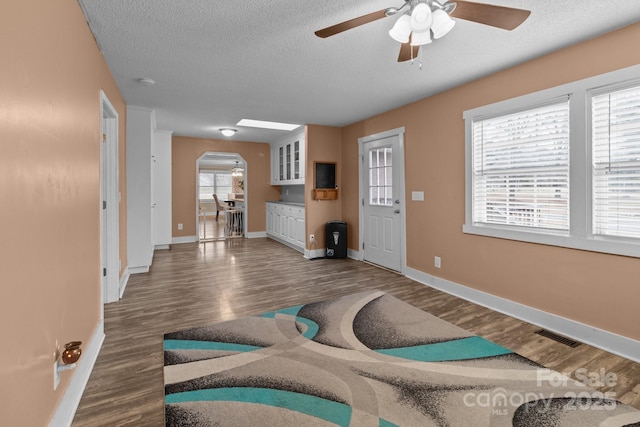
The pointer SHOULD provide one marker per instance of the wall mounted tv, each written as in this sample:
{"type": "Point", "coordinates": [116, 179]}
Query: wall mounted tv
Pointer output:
{"type": "Point", "coordinates": [325, 175]}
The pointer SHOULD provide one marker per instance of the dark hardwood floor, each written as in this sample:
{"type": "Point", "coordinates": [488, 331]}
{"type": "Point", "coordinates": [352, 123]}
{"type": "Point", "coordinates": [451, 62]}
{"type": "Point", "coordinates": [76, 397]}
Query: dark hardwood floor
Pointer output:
{"type": "Point", "coordinates": [195, 284]}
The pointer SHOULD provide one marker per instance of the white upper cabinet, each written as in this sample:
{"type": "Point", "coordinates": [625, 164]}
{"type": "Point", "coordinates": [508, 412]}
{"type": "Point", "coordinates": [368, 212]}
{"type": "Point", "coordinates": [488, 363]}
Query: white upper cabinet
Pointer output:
{"type": "Point", "coordinates": [288, 160]}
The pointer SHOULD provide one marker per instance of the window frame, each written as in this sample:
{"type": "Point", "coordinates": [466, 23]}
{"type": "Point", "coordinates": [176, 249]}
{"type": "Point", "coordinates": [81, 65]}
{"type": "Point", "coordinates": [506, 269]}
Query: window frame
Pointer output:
{"type": "Point", "coordinates": [580, 234]}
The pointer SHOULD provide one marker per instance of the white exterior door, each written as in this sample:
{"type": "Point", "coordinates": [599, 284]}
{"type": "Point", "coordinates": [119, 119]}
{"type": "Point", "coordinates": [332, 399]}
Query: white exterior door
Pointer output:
{"type": "Point", "coordinates": [383, 200]}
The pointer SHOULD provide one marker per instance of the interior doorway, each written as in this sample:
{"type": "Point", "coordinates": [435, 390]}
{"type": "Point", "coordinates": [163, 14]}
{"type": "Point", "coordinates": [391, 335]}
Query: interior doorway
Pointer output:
{"type": "Point", "coordinates": [382, 211]}
{"type": "Point", "coordinates": [109, 209]}
{"type": "Point", "coordinates": [222, 174]}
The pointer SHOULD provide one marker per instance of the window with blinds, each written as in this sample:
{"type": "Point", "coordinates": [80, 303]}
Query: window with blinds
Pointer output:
{"type": "Point", "coordinates": [210, 182]}
{"type": "Point", "coordinates": [616, 163]}
{"type": "Point", "coordinates": [558, 167]}
{"type": "Point", "coordinates": [521, 168]}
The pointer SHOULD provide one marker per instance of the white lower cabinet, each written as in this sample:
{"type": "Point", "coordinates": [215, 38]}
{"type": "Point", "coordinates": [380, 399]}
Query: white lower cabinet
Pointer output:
{"type": "Point", "coordinates": [285, 223]}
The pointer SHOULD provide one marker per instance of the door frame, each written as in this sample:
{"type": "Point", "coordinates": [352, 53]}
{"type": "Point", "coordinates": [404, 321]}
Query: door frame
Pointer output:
{"type": "Point", "coordinates": [245, 164]}
{"type": "Point", "coordinates": [399, 132]}
{"type": "Point", "coordinates": [109, 217]}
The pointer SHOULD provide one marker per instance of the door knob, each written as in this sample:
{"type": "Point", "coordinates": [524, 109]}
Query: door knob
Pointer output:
{"type": "Point", "coordinates": [397, 211]}
{"type": "Point", "coordinates": [397, 202]}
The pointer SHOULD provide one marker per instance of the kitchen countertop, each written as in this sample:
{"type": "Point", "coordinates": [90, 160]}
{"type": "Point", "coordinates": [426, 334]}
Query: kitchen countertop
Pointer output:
{"type": "Point", "coordinates": [286, 203]}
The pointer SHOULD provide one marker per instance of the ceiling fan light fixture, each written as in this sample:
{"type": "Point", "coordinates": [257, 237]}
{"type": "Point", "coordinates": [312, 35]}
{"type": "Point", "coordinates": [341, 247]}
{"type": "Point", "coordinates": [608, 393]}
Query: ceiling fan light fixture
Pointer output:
{"type": "Point", "coordinates": [421, 18]}
{"type": "Point", "coordinates": [401, 30]}
{"type": "Point", "coordinates": [442, 23]}
{"type": "Point", "coordinates": [420, 39]}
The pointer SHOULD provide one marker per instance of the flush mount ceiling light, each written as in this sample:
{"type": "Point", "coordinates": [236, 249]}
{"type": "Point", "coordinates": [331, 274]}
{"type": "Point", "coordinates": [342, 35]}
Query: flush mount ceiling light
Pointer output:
{"type": "Point", "coordinates": [262, 124]}
{"type": "Point", "coordinates": [228, 131]}
{"type": "Point", "coordinates": [146, 81]}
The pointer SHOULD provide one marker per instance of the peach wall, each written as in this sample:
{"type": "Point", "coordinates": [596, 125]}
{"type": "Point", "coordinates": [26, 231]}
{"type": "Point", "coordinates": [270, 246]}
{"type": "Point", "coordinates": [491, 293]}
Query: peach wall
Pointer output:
{"type": "Point", "coordinates": [595, 289]}
{"type": "Point", "coordinates": [51, 76]}
{"type": "Point", "coordinates": [184, 153]}
{"type": "Point", "coordinates": [323, 145]}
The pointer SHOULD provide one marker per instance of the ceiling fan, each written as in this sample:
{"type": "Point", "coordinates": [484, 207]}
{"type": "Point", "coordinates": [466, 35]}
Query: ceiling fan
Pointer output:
{"type": "Point", "coordinates": [419, 19]}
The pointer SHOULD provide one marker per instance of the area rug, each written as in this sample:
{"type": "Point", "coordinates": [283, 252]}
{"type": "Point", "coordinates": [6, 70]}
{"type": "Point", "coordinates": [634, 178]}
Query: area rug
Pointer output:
{"type": "Point", "coordinates": [366, 359]}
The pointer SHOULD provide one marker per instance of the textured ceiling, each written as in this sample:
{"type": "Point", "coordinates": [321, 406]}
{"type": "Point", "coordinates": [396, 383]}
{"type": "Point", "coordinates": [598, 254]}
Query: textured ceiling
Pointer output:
{"type": "Point", "coordinates": [216, 62]}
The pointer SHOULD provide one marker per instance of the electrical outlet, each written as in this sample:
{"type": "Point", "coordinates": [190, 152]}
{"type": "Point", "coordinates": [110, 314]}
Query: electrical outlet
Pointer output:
{"type": "Point", "coordinates": [179, 226]}
{"type": "Point", "coordinates": [312, 238]}
{"type": "Point", "coordinates": [437, 262]}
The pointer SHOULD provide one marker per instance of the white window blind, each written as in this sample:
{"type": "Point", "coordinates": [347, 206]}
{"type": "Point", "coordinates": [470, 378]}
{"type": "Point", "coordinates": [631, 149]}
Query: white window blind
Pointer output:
{"type": "Point", "coordinates": [521, 168]}
{"type": "Point", "coordinates": [211, 182]}
{"type": "Point", "coordinates": [616, 163]}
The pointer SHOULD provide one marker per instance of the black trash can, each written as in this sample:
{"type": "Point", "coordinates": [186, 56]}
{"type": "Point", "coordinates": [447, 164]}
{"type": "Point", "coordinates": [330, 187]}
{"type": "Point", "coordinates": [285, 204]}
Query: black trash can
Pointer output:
{"type": "Point", "coordinates": [336, 239]}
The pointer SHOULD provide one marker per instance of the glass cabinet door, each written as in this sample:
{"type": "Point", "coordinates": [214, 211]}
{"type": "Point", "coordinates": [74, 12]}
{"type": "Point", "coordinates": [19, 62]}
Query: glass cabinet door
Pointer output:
{"type": "Point", "coordinates": [296, 160]}
{"type": "Point", "coordinates": [288, 147]}
{"type": "Point", "coordinates": [281, 164]}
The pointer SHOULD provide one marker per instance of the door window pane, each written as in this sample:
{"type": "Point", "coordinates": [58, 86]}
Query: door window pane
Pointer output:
{"type": "Point", "coordinates": [380, 172]}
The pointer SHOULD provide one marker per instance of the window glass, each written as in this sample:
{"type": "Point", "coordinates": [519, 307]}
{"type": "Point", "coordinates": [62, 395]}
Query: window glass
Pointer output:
{"type": "Point", "coordinates": [616, 163]}
{"type": "Point", "coordinates": [380, 183]}
{"type": "Point", "coordinates": [521, 168]}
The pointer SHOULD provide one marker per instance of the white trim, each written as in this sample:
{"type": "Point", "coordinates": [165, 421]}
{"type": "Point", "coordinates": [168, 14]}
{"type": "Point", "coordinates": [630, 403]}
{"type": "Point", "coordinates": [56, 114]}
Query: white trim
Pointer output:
{"type": "Point", "coordinates": [399, 132]}
{"type": "Point", "coordinates": [357, 255]}
{"type": "Point", "coordinates": [138, 270]}
{"type": "Point", "coordinates": [161, 247]}
{"type": "Point", "coordinates": [315, 253]}
{"type": "Point", "coordinates": [321, 253]}
{"type": "Point", "coordinates": [66, 410]}
{"type": "Point", "coordinates": [184, 239]}
{"type": "Point", "coordinates": [605, 340]}
{"type": "Point", "coordinates": [110, 218]}
{"type": "Point", "coordinates": [256, 234]}
{"type": "Point", "coordinates": [123, 281]}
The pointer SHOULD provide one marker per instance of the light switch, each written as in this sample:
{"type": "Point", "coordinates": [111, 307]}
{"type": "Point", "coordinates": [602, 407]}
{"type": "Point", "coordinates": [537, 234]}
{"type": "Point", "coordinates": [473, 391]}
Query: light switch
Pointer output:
{"type": "Point", "coordinates": [417, 196]}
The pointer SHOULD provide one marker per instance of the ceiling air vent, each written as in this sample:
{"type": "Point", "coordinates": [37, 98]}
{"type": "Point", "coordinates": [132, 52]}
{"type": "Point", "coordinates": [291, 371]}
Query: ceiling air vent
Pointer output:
{"type": "Point", "coordinates": [558, 338]}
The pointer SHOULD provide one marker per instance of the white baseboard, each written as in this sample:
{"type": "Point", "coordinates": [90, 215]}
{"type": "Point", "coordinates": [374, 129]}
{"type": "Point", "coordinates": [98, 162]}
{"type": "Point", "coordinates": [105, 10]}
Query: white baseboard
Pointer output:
{"type": "Point", "coordinates": [184, 239]}
{"type": "Point", "coordinates": [256, 234]}
{"type": "Point", "coordinates": [123, 281]}
{"type": "Point", "coordinates": [605, 340]}
{"type": "Point", "coordinates": [315, 253]}
{"type": "Point", "coordinates": [139, 269]}
{"type": "Point", "coordinates": [321, 253]}
{"type": "Point", "coordinates": [162, 247]}
{"type": "Point", "coordinates": [66, 410]}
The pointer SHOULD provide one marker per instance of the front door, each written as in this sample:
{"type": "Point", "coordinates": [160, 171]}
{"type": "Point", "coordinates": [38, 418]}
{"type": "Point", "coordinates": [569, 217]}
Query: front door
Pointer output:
{"type": "Point", "coordinates": [383, 200]}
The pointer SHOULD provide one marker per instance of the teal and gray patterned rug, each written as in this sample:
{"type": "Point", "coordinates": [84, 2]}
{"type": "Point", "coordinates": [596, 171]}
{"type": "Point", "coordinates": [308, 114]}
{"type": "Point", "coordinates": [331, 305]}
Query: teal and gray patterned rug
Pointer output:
{"type": "Point", "coordinates": [367, 359]}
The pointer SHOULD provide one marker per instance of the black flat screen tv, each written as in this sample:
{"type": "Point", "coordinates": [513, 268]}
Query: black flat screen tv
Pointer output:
{"type": "Point", "coordinates": [325, 175]}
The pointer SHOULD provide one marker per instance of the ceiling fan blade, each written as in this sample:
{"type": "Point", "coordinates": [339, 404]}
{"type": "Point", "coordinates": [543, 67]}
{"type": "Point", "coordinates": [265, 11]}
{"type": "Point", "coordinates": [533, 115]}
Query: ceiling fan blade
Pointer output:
{"type": "Point", "coordinates": [506, 18]}
{"type": "Point", "coordinates": [352, 23]}
{"type": "Point", "coordinates": [407, 52]}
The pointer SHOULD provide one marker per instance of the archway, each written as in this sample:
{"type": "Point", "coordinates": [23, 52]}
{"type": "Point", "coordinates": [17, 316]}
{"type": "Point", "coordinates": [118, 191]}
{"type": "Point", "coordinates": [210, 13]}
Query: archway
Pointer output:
{"type": "Point", "coordinates": [223, 174]}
